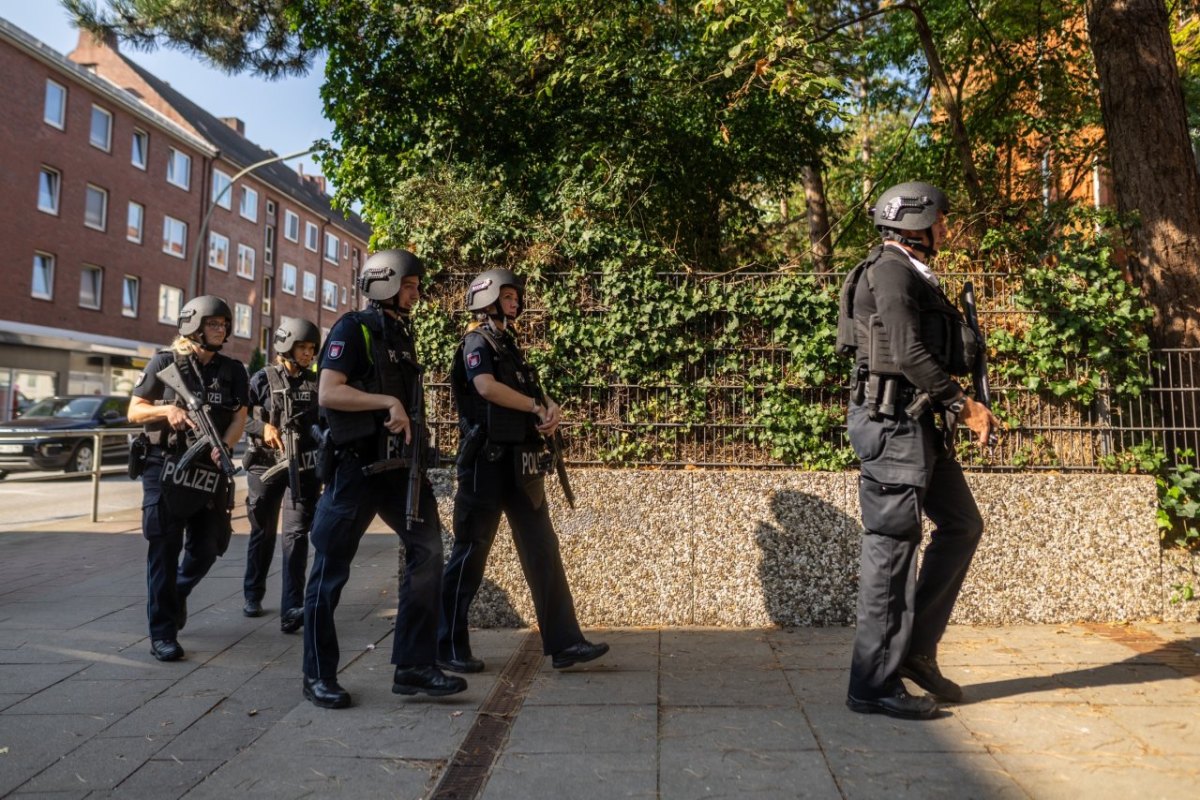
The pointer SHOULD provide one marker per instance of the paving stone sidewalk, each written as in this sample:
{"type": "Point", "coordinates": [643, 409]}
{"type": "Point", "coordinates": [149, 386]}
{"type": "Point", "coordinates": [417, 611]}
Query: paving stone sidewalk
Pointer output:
{"type": "Point", "coordinates": [85, 712]}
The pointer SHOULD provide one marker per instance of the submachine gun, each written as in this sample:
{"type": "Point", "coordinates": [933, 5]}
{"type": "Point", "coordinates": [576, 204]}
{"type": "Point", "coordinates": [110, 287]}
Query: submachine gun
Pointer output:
{"type": "Point", "coordinates": [554, 444]}
{"type": "Point", "coordinates": [289, 459]}
{"type": "Point", "coordinates": [979, 373]}
{"type": "Point", "coordinates": [207, 436]}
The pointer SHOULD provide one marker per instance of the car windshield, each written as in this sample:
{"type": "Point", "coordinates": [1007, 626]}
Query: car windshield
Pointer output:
{"type": "Point", "coordinates": [64, 407]}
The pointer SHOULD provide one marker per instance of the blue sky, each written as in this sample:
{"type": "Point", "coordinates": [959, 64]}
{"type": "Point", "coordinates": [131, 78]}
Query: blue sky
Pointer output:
{"type": "Point", "coordinates": [284, 116]}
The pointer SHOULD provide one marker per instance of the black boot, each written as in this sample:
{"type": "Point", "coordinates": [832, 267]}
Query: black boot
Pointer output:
{"type": "Point", "coordinates": [924, 672]}
{"type": "Point", "coordinates": [325, 692]}
{"type": "Point", "coordinates": [429, 680]}
{"type": "Point", "coordinates": [579, 653]}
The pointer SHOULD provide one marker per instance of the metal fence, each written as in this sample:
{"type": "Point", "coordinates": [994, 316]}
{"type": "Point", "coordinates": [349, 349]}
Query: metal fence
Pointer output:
{"type": "Point", "coordinates": [708, 420]}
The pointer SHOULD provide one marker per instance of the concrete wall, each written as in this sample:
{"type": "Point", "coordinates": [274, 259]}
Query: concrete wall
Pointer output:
{"type": "Point", "coordinates": [735, 548]}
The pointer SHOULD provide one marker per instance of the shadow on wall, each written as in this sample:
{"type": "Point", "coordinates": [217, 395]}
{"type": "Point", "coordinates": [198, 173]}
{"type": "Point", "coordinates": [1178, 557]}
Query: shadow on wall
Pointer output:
{"type": "Point", "coordinates": [808, 567]}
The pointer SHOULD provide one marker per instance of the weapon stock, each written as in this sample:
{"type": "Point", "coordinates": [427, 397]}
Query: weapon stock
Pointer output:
{"type": "Point", "coordinates": [555, 445]}
{"type": "Point", "coordinates": [199, 413]}
{"type": "Point", "coordinates": [416, 454]}
{"type": "Point", "coordinates": [979, 373]}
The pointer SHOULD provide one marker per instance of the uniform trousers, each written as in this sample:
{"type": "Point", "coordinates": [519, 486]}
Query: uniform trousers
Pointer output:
{"type": "Point", "coordinates": [201, 538]}
{"type": "Point", "coordinates": [263, 508]}
{"type": "Point", "coordinates": [347, 506]}
{"type": "Point", "coordinates": [485, 490]}
{"type": "Point", "coordinates": [903, 611]}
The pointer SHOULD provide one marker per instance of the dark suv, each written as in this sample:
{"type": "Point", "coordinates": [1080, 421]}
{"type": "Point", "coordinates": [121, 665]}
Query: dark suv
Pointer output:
{"type": "Point", "coordinates": [69, 453]}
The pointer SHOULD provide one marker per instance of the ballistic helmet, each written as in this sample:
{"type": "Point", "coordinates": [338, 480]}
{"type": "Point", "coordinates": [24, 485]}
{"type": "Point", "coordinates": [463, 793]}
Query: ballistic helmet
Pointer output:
{"type": "Point", "coordinates": [911, 206]}
{"type": "Point", "coordinates": [196, 310]}
{"type": "Point", "coordinates": [292, 330]}
{"type": "Point", "coordinates": [384, 271]}
{"type": "Point", "coordinates": [485, 289]}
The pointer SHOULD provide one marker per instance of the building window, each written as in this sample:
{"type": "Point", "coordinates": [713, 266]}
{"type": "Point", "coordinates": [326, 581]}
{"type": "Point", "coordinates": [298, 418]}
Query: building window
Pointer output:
{"type": "Point", "coordinates": [270, 212]}
{"type": "Point", "coordinates": [179, 169]}
{"type": "Point", "coordinates": [170, 300]}
{"type": "Point", "coordinates": [241, 320]}
{"type": "Point", "coordinates": [49, 184]}
{"type": "Point", "coordinates": [175, 237]}
{"type": "Point", "coordinates": [222, 189]}
{"type": "Point", "coordinates": [139, 149]}
{"type": "Point", "coordinates": [343, 295]}
{"type": "Point", "coordinates": [245, 265]}
{"type": "Point", "coordinates": [288, 283]}
{"type": "Point", "coordinates": [101, 134]}
{"type": "Point", "coordinates": [268, 293]}
{"type": "Point", "coordinates": [130, 288]}
{"type": "Point", "coordinates": [249, 206]}
{"type": "Point", "coordinates": [269, 245]}
{"type": "Point", "coordinates": [329, 293]}
{"type": "Point", "coordinates": [264, 339]}
{"type": "Point", "coordinates": [43, 276]}
{"type": "Point", "coordinates": [345, 250]}
{"type": "Point", "coordinates": [91, 280]}
{"type": "Point", "coordinates": [135, 221]}
{"type": "Point", "coordinates": [331, 248]}
{"type": "Point", "coordinates": [55, 111]}
{"type": "Point", "coordinates": [310, 286]}
{"type": "Point", "coordinates": [310, 236]}
{"type": "Point", "coordinates": [95, 208]}
{"type": "Point", "coordinates": [218, 251]}
{"type": "Point", "coordinates": [291, 226]}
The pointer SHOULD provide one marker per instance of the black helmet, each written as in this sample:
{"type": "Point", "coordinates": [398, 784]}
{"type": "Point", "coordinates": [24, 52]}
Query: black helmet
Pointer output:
{"type": "Point", "coordinates": [485, 289]}
{"type": "Point", "coordinates": [292, 330]}
{"type": "Point", "coordinates": [384, 271]}
{"type": "Point", "coordinates": [196, 310]}
{"type": "Point", "coordinates": [911, 206]}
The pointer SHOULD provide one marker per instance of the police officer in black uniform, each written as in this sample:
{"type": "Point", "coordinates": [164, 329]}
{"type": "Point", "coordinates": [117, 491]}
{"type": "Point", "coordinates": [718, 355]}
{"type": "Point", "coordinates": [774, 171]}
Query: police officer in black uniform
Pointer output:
{"type": "Point", "coordinates": [283, 403]}
{"type": "Point", "coordinates": [909, 341]}
{"type": "Point", "coordinates": [202, 534]}
{"type": "Point", "coordinates": [367, 381]}
{"type": "Point", "coordinates": [502, 463]}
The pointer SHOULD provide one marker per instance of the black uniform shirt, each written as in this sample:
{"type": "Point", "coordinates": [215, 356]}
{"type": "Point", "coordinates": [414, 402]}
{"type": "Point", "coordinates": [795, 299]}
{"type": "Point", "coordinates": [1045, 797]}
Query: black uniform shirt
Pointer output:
{"type": "Point", "coordinates": [346, 351]}
{"type": "Point", "coordinates": [224, 399]}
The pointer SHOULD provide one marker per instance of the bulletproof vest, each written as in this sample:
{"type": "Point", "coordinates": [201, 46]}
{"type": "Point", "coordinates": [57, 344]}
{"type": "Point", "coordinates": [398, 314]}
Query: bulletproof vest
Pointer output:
{"type": "Point", "coordinates": [847, 335]}
{"type": "Point", "coordinates": [391, 352]}
{"type": "Point", "coordinates": [291, 399]}
{"type": "Point", "coordinates": [943, 331]}
{"type": "Point", "coordinates": [511, 369]}
{"type": "Point", "coordinates": [216, 391]}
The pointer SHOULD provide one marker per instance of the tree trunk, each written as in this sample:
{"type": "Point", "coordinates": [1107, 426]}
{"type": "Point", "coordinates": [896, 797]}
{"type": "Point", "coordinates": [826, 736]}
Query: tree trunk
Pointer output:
{"type": "Point", "coordinates": [821, 245]}
{"type": "Point", "coordinates": [1154, 175]}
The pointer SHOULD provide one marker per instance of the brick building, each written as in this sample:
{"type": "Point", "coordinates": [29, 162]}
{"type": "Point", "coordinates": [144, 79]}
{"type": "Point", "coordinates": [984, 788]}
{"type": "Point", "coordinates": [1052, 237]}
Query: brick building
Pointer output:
{"type": "Point", "coordinates": [108, 174]}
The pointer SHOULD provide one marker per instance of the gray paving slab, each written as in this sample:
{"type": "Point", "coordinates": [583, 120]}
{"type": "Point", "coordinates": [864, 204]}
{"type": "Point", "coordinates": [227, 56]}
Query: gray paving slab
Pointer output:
{"type": "Point", "coordinates": [1082, 775]}
{"type": "Point", "coordinates": [584, 729]}
{"type": "Point", "coordinates": [298, 775]}
{"type": "Point", "coordinates": [33, 743]}
{"type": "Point", "coordinates": [735, 773]}
{"type": "Point", "coordinates": [732, 686]}
{"type": "Point", "coordinates": [99, 763]}
{"type": "Point", "coordinates": [836, 728]}
{"type": "Point", "coordinates": [960, 776]}
{"type": "Point", "coordinates": [575, 775]}
{"type": "Point", "coordinates": [599, 685]}
{"type": "Point", "coordinates": [717, 730]}
{"type": "Point", "coordinates": [165, 777]}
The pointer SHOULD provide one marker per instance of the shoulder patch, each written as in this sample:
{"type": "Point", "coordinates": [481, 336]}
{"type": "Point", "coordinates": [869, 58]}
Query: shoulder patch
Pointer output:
{"type": "Point", "coordinates": [472, 360]}
{"type": "Point", "coordinates": [335, 349]}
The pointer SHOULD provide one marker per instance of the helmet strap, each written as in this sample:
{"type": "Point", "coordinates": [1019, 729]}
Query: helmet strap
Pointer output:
{"type": "Point", "coordinates": [920, 245]}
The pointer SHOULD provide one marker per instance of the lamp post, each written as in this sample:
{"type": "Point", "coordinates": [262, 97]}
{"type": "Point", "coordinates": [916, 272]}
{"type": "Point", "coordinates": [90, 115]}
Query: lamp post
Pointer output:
{"type": "Point", "coordinates": [194, 278]}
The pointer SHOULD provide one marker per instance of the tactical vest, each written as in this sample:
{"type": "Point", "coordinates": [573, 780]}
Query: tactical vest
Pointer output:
{"type": "Point", "coordinates": [298, 398]}
{"type": "Point", "coordinates": [503, 424]}
{"type": "Point", "coordinates": [218, 394]}
{"type": "Point", "coordinates": [394, 369]}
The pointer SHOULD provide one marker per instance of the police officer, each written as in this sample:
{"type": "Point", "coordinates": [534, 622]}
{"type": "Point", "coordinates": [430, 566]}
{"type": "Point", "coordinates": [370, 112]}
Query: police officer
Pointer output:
{"type": "Point", "coordinates": [910, 341]}
{"type": "Point", "coordinates": [501, 468]}
{"type": "Point", "coordinates": [367, 380]}
{"type": "Point", "coordinates": [173, 519]}
{"type": "Point", "coordinates": [283, 403]}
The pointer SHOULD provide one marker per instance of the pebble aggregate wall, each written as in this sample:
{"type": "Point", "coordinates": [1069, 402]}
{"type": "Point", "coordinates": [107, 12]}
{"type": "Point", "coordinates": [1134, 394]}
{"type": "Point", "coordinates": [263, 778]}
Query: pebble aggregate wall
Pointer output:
{"type": "Point", "coordinates": [754, 548]}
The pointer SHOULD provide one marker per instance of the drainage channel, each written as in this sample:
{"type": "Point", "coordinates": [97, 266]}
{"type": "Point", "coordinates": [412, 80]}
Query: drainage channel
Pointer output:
{"type": "Point", "coordinates": [469, 770]}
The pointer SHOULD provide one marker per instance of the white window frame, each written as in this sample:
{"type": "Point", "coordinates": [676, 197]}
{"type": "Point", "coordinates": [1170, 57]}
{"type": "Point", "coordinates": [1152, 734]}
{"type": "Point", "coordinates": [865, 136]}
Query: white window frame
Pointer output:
{"type": "Point", "coordinates": [219, 181]}
{"type": "Point", "coordinates": [309, 288]}
{"type": "Point", "coordinates": [61, 122]}
{"type": "Point", "coordinates": [328, 288]}
{"type": "Point", "coordinates": [138, 133]}
{"type": "Point", "coordinates": [55, 190]}
{"type": "Point", "coordinates": [245, 261]}
{"type": "Point", "coordinates": [310, 236]}
{"type": "Point", "coordinates": [92, 269]}
{"type": "Point", "coordinates": [141, 222]}
{"type": "Point", "coordinates": [331, 238]}
{"type": "Point", "coordinates": [178, 161]}
{"type": "Point", "coordinates": [218, 244]}
{"type": "Point", "coordinates": [291, 220]}
{"type": "Point", "coordinates": [106, 146]}
{"type": "Point", "coordinates": [168, 229]}
{"type": "Point", "coordinates": [243, 320]}
{"type": "Point", "coordinates": [45, 262]}
{"type": "Point", "coordinates": [165, 295]}
{"type": "Point", "coordinates": [248, 206]}
{"type": "Point", "coordinates": [289, 271]}
{"type": "Point", "coordinates": [87, 197]}
{"type": "Point", "coordinates": [136, 283]}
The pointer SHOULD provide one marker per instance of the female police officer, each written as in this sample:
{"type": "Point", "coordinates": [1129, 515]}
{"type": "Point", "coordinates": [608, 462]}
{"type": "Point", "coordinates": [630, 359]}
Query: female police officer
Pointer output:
{"type": "Point", "coordinates": [178, 499]}
{"type": "Point", "coordinates": [283, 406]}
{"type": "Point", "coordinates": [504, 415]}
{"type": "Point", "coordinates": [368, 376]}
{"type": "Point", "coordinates": [909, 341]}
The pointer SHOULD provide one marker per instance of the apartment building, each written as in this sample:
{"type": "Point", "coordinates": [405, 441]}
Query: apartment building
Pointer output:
{"type": "Point", "coordinates": [123, 199]}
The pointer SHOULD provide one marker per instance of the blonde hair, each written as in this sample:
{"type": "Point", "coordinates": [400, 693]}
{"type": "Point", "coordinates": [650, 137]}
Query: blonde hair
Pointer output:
{"type": "Point", "coordinates": [184, 346]}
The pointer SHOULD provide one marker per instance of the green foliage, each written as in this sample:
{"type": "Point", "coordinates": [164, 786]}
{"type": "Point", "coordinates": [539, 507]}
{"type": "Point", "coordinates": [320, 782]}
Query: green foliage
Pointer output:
{"type": "Point", "coordinates": [257, 361]}
{"type": "Point", "coordinates": [1089, 325]}
{"type": "Point", "coordinates": [1178, 487]}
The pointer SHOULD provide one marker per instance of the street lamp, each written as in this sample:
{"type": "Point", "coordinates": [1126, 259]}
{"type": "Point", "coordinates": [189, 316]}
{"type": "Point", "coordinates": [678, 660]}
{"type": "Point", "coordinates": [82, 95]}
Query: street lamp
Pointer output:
{"type": "Point", "coordinates": [194, 279]}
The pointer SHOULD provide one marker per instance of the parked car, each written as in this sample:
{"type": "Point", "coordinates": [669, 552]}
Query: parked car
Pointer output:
{"type": "Point", "coordinates": [68, 453]}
